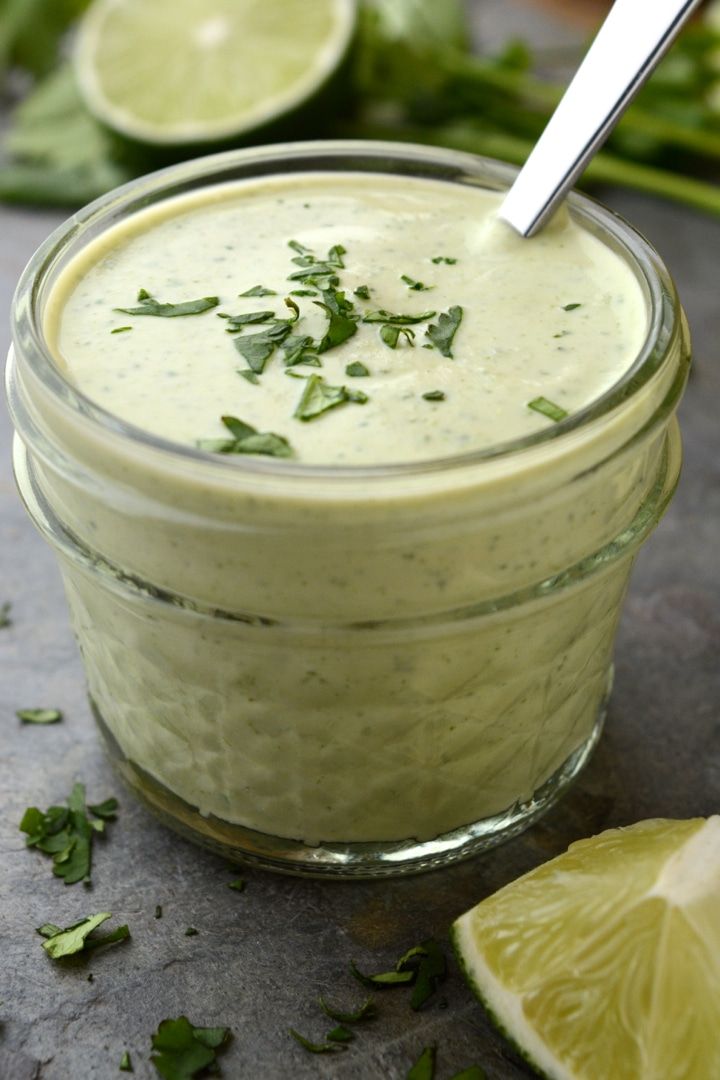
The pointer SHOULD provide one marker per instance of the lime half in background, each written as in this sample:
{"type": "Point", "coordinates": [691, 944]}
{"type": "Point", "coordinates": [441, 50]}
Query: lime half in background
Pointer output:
{"type": "Point", "coordinates": [604, 964]}
{"type": "Point", "coordinates": [183, 72]}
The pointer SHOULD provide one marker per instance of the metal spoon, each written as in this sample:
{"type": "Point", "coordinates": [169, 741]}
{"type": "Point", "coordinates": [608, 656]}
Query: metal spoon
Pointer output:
{"type": "Point", "coordinates": [634, 37]}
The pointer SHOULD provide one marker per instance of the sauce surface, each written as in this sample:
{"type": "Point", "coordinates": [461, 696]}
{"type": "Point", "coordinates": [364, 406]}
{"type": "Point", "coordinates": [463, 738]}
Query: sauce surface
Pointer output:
{"type": "Point", "coordinates": [558, 318]}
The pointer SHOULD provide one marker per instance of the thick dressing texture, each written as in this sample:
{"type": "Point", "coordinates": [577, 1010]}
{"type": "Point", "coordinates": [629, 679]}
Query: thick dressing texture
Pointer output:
{"type": "Point", "coordinates": [560, 318]}
{"type": "Point", "coordinates": [344, 656]}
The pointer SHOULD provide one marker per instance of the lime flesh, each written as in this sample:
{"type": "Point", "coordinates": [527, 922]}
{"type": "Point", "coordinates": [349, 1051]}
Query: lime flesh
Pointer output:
{"type": "Point", "coordinates": [604, 964]}
{"type": "Point", "coordinates": [188, 71]}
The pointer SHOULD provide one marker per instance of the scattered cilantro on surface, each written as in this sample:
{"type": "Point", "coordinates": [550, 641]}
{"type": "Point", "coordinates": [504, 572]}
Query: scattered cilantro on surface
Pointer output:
{"type": "Point", "coordinates": [182, 1051]}
{"type": "Point", "coordinates": [67, 833]}
{"type": "Point", "coordinates": [423, 967]}
{"type": "Point", "coordinates": [74, 939]}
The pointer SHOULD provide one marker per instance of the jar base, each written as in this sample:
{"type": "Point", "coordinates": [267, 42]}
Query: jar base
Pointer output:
{"type": "Point", "coordinates": [336, 860]}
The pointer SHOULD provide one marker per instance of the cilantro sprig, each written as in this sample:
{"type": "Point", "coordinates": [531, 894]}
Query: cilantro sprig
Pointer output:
{"type": "Point", "coordinates": [67, 833]}
{"type": "Point", "coordinates": [442, 333]}
{"type": "Point", "coordinates": [183, 1051]}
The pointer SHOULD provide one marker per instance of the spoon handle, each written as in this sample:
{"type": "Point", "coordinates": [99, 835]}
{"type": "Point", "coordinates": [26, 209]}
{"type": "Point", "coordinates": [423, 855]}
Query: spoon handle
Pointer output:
{"type": "Point", "coordinates": [631, 41]}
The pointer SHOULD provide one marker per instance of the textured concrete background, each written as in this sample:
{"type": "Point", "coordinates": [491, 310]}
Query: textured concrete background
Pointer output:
{"type": "Point", "coordinates": [262, 956]}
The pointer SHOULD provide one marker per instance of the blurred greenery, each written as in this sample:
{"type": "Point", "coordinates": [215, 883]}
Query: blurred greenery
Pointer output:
{"type": "Point", "coordinates": [414, 77]}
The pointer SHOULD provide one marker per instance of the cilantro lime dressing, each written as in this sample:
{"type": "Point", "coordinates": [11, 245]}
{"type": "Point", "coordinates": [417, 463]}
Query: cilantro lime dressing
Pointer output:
{"type": "Point", "coordinates": [371, 657]}
{"type": "Point", "coordinates": [455, 325]}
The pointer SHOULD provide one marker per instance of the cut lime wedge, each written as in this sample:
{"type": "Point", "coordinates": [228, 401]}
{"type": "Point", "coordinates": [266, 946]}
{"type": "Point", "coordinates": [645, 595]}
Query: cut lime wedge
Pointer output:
{"type": "Point", "coordinates": [604, 964]}
{"type": "Point", "coordinates": [173, 72]}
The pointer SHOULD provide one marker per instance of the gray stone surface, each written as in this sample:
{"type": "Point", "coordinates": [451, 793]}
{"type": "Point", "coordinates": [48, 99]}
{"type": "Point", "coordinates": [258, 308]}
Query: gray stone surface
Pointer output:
{"type": "Point", "coordinates": [262, 956]}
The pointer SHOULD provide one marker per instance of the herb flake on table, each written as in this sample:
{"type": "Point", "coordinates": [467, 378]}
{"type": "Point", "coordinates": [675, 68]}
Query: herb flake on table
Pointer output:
{"type": "Point", "coordinates": [148, 305]}
{"type": "Point", "coordinates": [340, 1034]}
{"type": "Point", "coordinates": [258, 290]}
{"type": "Point", "coordinates": [247, 440]}
{"type": "Point", "coordinates": [548, 408]}
{"type": "Point", "coordinates": [67, 834]}
{"type": "Point", "coordinates": [424, 1067]}
{"type": "Point", "coordinates": [415, 286]}
{"type": "Point", "coordinates": [39, 716]}
{"type": "Point", "coordinates": [314, 1047]}
{"type": "Point", "coordinates": [442, 333]}
{"type": "Point", "coordinates": [238, 884]}
{"type": "Point", "coordinates": [61, 942]}
{"type": "Point", "coordinates": [423, 967]}
{"type": "Point", "coordinates": [366, 1011]}
{"type": "Point", "coordinates": [5, 619]}
{"type": "Point", "coordinates": [158, 911]}
{"type": "Point", "coordinates": [191, 932]}
{"type": "Point", "coordinates": [125, 1063]}
{"type": "Point", "coordinates": [319, 397]}
{"type": "Point", "coordinates": [182, 1051]}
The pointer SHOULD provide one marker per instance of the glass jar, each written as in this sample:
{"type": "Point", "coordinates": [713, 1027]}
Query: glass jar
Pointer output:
{"type": "Point", "coordinates": [346, 670]}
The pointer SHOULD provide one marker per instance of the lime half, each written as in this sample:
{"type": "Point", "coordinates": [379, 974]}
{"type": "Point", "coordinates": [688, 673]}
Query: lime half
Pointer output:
{"type": "Point", "coordinates": [604, 964]}
{"type": "Point", "coordinates": [173, 72]}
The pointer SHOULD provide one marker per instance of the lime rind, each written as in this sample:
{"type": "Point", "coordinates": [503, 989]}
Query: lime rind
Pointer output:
{"type": "Point", "coordinates": [135, 68]}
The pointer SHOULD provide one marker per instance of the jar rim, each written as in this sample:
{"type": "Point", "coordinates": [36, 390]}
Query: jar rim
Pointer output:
{"type": "Point", "coordinates": [331, 156]}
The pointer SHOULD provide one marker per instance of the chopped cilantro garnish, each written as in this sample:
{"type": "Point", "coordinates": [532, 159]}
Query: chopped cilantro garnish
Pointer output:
{"type": "Point", "coordinates": [235, 323]}
{"type": "Point", "coordinates": [258, 290]}
{"type": "Point", "coordinates": [571, 307]}
{"type": "Point", "coordinates": [148, 305]}
{"type": "Point", "coordinates": [424, 1067]}
{"type": "Point", "coordinates": [390, 335]}
{"type": "Point", "coordinates": [356, 370]}
{"type": "Point", "coordinates": [434, 395]}
{"type": "Point", "coordinates": [106, 810]}
{"type": "Point", "coordinates": [303, 292]}
{"type": "Point", "coordinates": [120, 329]}
{"type": "Point", "coordinates": [300, 349]}
{"type": "Point", "coordinates": [362, 291]}
{"type": "Point", "coordinates": [238, 884]}
{"type": "Point", "coordinates": [5, 619]}
{"type": "Point", "coordinates": [39, 716]}
{"type": "Point", "coordinates": [182, 1051]}
{"type": "Point", "coordinates": [383, 979]}
{"type": "Point", "coordinates": [258, 348]}
{"type": "Point", "coordinates": [125, 1063]}
{"type": "Point", "coordinates": [191, 932]}
{"type": "Point", "coordinates": [247, 440]}
{"type": "Point", "coordinates": [548, 408]}
{"type": "Point", "coordinates": [366, 1011]}
{"type": "Point", "coordinates": [342, 319]}
{"type": "Point", "coordinates": [441, 334]}
{"type": "Point", "coordinates": [394, 319]}
{"type": "Point", "coordinates": [66, 833]}
{"type": "Point", "coordinates": [315, 1048]}
{"type": "Point", "coordinates": [74, 939]}
{"type": "Point", "coordinates": [318, 397]}
{"type": "Point", "coordinates": [293, 308]}
{"type": "Point", "coordinates": [415, 286]}
{"type": "Point", "coordinates": [443, 259]}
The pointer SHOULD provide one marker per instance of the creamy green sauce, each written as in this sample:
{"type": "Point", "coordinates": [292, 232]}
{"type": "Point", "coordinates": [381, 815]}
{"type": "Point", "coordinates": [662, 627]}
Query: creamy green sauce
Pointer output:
{"type": "Point", "coordinates": [561, 317]}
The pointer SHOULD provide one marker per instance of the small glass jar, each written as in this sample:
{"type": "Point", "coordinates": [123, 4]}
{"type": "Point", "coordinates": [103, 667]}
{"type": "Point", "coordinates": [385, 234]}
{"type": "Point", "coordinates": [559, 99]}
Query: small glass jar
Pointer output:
{"type": "Point", "coordinates": [346, 671]}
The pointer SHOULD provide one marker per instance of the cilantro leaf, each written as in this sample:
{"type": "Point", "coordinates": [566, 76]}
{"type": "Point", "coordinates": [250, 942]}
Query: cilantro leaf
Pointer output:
{"type": "Point", "coordinates": [148, 305]}
{"type": "Point", "coordinates": [423, 967]}
{"type": "Point", "coordinates": [249, 375]}
{"type": "Point", "coordinates": [390, 335]}
{"type": "Point", "coordinates": [394, 319]}
{"type": "Point", "coordinates": [107, 809]}
{"type": "Point", "coordinates": [415, 286]}
{"type": "Point", "coordinates": [67, 833]}
{"type": "Point", "coordinates": [441, 334]}
{"type": "Point", "coordinates": [74, 939]}
{"type": "Point", "coordinates": [235, 323]}
{"type": "Point", "coordinates": [258, 348]}
{"type": "Point", "coordinates": [340, 1034]}
{"type": "Point", "coordinates": [318, 397]}
{"type": "Point", "coordinates": [39, 716]}
{"type": "Point", "coordinates": [300, 349]}
{"type": "Point", "coordinates": [315, 1048]}
{"type": "Point", "coordinates": [362, 291]}
{"type": "Point", "coordinates": [383, 979]}
{"type": "Point", "coordinates": [342, 319]}
{"type": "Point", "coordinates": [366, 1011]}
{"type": "Point", "coordinates": [247, 440]}
{"type": "Point", "coordinates": [548, 408]}
{"type": "Point", "coordinates": [183, 1051]}
{"type": "Point", "coordinates": [258, 290]}
{"type": "Point", "coordinates": [424, 1067]}
{"type": "Point", "coordinates": [356, 370]}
